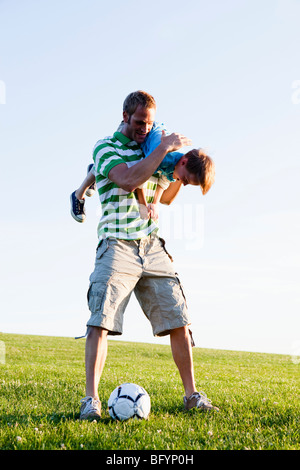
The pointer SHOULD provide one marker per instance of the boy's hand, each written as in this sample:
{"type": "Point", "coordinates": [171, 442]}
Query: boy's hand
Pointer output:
{"type": "Point", "coordinates": [153, 211]}
{"type": "Point", "coordinates": [144, 212]}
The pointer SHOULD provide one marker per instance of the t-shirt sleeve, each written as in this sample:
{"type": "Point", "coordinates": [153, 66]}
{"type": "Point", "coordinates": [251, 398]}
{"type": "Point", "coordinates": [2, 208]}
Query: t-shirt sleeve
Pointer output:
{"type": "Point", "coordinates": [106, 158]}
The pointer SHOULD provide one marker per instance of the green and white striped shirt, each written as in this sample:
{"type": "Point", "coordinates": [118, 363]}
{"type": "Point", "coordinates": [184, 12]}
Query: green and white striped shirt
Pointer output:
{"type": "Point", "coordinates": [120, 209]}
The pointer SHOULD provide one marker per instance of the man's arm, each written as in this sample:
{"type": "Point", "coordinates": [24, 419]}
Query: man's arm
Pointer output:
{"type": "Point", "coordinates": [129, 178]}
{"type": "Point", "coordinates": [171, 192]}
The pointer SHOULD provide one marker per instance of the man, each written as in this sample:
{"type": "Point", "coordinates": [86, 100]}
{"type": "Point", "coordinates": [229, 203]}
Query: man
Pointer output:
{"type": "Point", "coordinates": [130, 256]}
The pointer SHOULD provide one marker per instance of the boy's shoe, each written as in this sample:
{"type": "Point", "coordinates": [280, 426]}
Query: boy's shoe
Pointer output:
{"type": "Point", "coordinates": [199, 400]}
{"type": "Point", "coordinates": [77, 208]}
{"type": "Point", "coordinates": [90, 409]}
{"type": "Point", "coordinates": [91, 190]}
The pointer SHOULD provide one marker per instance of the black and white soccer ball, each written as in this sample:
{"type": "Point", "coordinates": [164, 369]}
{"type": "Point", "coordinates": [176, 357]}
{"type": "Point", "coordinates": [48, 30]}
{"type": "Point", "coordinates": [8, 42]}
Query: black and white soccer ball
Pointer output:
{"type": "Point", "coordinates": [129, 401]}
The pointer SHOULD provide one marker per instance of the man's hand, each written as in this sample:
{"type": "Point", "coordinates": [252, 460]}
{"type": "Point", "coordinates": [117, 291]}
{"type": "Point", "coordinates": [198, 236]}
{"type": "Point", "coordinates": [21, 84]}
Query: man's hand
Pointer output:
{"type": "Point", "coordinates": [131, 178]}
{"type": "Point", "coordinates": [174, 141]}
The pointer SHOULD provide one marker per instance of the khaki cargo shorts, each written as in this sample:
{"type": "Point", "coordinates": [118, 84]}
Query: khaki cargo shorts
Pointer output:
{"type": "Point", "coordinates": [142, 266]}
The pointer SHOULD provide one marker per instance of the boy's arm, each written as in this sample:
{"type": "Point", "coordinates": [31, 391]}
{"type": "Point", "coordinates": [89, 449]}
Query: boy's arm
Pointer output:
{"type": "Point", "coordinates": [158, 194]}
{"type": "Point", "coordinates": [171, 192]}
{"type": "Point", "coordinates": [166, 196]}
{"type": "Point", "coordinates": [129, 178]}
{"type": "Point", "coordinates": [153, 206]}
{"type": "Point", "coordinates": [149, 210]}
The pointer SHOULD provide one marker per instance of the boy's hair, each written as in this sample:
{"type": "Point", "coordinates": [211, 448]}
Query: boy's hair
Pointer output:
{"type": "Point", "coordinates": [203, 167]}
{"type": "Point", "coordinates": [138, 97]}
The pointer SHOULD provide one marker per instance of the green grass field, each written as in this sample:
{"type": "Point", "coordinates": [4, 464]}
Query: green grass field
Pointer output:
{"type": "Point", "coordinates": [42, 380]}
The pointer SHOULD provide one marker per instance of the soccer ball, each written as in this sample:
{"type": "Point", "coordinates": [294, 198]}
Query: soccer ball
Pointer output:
{"type": "Point", "coordinates": [129, 401]}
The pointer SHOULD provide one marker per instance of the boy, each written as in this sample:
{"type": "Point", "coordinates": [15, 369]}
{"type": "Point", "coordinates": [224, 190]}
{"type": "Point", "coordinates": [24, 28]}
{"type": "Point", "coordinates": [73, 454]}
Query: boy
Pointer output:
{"type": "Point", "coordinates": [194, 167]}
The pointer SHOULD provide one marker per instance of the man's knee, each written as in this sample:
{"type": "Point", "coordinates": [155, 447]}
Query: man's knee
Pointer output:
{"type": "Point", "coordinates": [96, 331]}
{"type": "Point", "coordinates": [182, 334]}
{"type": "Point", "coordinates": [181, 331]}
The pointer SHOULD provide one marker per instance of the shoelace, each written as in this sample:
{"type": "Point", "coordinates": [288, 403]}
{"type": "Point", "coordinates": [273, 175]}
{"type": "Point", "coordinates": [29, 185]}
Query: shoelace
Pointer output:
{"type": "Point", "coordinates": [201, 397]}
{"type": "Point", "coordinates": [91, 402]}
{"type": "Point", "coordinates": [79, 205]}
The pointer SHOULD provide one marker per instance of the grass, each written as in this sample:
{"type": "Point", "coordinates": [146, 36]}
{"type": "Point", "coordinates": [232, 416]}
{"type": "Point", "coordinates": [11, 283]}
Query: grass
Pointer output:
{"type": "Point", "coordinates": [42, 380]}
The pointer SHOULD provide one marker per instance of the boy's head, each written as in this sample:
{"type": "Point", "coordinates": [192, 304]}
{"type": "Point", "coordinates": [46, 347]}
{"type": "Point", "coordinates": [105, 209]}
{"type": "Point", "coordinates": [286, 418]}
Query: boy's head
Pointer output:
{"type": "Point", "coordinates": [196, 168]}
{"type": "Point", "coordinates": [138, 115]}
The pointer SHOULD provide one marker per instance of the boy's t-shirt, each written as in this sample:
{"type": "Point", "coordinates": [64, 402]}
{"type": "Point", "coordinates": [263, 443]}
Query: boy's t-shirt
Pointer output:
{"type": "Point", "coordinates": [152, 140]}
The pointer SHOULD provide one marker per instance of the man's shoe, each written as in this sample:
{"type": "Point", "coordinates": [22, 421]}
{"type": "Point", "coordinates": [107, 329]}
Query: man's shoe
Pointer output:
{"type": "Point", "coordinates": [90, 409]}
{"type": "Point", "coordinates": [91, 190]}
{"type": "Point", "coordinates": [200, 401]}
{"type": "Point", "coordinates": [77, 208]}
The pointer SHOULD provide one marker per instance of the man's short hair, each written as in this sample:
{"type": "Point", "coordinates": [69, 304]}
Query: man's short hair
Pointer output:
{"type": "Point", "coordinates": [138, 98]}
{"type": "Point", "coordinates": [203, 167]}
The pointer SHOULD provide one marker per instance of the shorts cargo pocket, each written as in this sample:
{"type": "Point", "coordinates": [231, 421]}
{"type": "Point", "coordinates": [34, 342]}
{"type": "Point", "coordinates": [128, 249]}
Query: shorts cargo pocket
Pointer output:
{"type": "Point", "coordinates": [95, 296]}
{"type": "Point", "coordinates": [181, 288]}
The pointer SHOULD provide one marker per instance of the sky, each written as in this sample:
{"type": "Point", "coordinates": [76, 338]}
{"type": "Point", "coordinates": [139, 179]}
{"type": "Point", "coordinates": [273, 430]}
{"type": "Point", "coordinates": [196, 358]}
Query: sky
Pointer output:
{"type": "Point", "coordinates": [226, 74]}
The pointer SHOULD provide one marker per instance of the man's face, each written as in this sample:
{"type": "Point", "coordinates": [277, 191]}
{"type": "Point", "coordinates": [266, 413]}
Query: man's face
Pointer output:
{"type": "Point", "coordinates": [182, 174]}
{"type": "Point", "coordinates": [139, 124]}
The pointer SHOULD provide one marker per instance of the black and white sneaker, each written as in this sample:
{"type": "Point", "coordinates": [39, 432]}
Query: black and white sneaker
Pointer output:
{"type": "Point", "coordinates": [77, 208]}
{"type": "Point", "coordinates": [91, 190]}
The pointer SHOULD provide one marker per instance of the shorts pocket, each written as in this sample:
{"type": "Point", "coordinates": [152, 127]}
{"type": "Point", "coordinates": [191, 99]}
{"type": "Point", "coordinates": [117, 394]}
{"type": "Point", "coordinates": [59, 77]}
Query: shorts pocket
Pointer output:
{"type": "Point", "coordinates": [181, 288]}
{"type": "Point", "coordinates": [95, 296]}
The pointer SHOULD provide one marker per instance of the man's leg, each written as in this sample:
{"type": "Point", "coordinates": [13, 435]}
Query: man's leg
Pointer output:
{"type": "Point", "coordinates": [160, 281]}
{"type": "Point", "coordinates": [182, 355]}
{"type": "Point", "coordinates": [95, 357]}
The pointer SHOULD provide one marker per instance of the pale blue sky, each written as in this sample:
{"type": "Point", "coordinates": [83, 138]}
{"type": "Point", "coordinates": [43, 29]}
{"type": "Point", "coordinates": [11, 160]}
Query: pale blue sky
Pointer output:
{"type": "Point", "coordinates": [222, 72]}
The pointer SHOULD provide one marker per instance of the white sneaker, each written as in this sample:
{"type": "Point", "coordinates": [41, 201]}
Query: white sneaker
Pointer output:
{"type": "Point", "coordinates": [90, 408]}
{"type": "Point", "coordinates": [199, 400]}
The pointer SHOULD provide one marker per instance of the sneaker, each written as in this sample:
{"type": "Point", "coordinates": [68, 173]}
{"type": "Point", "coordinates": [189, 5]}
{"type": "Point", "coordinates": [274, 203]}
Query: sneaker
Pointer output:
{"type": "Point", "coordinates": [77, 208]}
{"type": "Point", "coordinates": [199, 400]}
{"type": "Point", "coordinates": [90, 408]}
{"type": "Point", "coordinates": [91, 190]}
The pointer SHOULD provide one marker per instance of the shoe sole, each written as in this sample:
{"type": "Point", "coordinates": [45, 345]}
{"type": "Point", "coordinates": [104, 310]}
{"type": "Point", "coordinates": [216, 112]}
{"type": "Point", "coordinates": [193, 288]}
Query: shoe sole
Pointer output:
{"type": "Point", "coordinates": [203, 408]}
{"type": "Point", "coordinates": [90, 418]}
{"type": "Point", "coordinates": [77, 220]}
